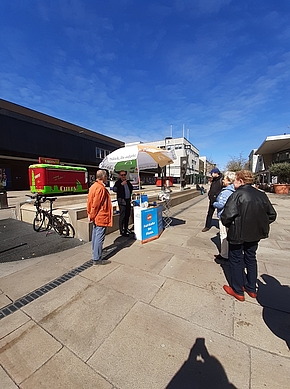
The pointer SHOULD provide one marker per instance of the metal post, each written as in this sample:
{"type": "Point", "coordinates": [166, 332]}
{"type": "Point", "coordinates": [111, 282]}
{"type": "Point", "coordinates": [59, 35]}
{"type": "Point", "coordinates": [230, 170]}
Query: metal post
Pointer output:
{"type": "Point", "coordinates": [162, 178]}
{"type": "Point", "coordinates": [167, 137]}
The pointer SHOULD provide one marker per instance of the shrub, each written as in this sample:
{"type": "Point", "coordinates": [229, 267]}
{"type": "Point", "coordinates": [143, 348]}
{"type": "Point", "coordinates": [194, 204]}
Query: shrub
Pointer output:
{"type": "Point", "coordinates": [282, 171]}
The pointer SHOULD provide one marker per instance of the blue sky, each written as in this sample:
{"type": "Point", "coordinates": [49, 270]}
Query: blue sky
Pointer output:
{"type": "Point", "coordinates": [131, 69]}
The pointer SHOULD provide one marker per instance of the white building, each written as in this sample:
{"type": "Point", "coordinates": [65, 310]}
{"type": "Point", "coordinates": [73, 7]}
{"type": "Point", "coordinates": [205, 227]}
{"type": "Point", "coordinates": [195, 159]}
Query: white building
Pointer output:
{"type": "Point", "coordinates": [184, 150]}
{"type": "Point", "coordinates": [254, 162]}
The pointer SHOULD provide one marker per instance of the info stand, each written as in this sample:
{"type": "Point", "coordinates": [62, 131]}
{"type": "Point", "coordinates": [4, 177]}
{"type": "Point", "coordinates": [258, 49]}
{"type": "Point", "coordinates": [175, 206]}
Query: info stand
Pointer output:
{"type": "Point", "coordinates": [148, 223]}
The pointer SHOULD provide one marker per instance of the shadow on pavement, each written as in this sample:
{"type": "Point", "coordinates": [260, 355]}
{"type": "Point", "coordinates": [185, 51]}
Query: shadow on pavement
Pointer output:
{"type": "Point", "coordinates": [176, 222]}
{"type": "Point", "coordinates": [18, 241]}
{"type": "Point", "coordinates": [275, 300]}
{"type": "Point", "coordinates": [119, 244]}
{"type": "Point", "coordinates": [200, 371]}
{"type": "Point", "coordinates": [216, 240]}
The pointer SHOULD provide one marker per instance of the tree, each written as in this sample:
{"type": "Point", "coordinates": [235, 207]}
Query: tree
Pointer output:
{"type": "Point", "coordinates": [237, 163]}
{"type": "Point", "coordinates": [281, 170]}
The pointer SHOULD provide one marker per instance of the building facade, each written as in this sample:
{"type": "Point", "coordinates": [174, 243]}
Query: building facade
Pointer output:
{"type": "Point", "coordinates": [274, 149]}
{"type": "Point", "coordinates": [187, 157]}
{"type": "Point", "coordinates": [255, 162]}
{"type": "Point", "coordinates": [27, 135]}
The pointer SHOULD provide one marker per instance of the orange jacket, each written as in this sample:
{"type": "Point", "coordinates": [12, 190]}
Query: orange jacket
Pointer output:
{"type": "Point", "coordinates": [99, 206]}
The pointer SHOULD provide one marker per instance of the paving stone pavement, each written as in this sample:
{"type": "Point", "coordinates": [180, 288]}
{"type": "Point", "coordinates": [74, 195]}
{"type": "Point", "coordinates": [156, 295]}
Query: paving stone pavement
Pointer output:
{"type": "Point", "coordinates": [156, 317]}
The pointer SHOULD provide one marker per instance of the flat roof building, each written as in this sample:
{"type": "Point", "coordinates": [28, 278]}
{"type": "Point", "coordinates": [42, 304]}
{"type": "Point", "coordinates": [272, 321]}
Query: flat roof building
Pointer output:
{"type": "Point", "coordinates": [27, 135]}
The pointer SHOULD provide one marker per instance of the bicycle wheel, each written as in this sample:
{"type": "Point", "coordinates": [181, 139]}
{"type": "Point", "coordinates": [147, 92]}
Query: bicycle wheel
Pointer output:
{"type": "Point", "coordinates": [60, 225]}
{"type": "Point", "coordinates": [71, 231]}
{"type": "Point", "coordinates": [38, 220]}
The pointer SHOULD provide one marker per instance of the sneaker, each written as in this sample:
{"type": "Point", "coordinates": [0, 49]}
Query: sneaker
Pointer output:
{"type": "Point", "coordinates": [101, 262]}
{"type": "Point", "coordinates": [125, 234]}
{"type": "Point", "coordinates": [205, 229]}
{"type": "Point", "coordinates": [231, 292]}
{"type": "Point", "coordinates": [251, 294]}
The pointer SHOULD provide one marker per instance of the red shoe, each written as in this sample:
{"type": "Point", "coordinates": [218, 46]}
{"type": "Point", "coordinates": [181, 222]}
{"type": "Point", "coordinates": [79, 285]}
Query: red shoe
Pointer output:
{"type": "Point", "coordinates": [230, 291]}
{"type": "Point", "coordinates": [251, 294]}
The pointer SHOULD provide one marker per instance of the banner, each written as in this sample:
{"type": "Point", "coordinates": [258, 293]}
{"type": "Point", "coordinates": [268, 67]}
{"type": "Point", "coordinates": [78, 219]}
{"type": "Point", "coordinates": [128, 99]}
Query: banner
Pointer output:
{"type": "Point", "coordinates": [183, 169]}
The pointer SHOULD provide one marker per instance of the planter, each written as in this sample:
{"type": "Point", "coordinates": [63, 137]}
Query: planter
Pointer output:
{"type": "Point", "coordinates": [281, 188]}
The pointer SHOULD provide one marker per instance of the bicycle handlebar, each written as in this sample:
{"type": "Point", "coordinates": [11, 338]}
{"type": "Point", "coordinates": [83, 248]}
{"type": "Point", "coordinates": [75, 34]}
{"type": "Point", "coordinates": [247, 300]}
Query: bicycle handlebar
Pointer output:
{"type": "Point", "coordinates": [40, 198]}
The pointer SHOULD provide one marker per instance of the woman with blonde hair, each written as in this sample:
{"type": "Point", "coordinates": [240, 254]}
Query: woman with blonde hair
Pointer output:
{"type": "Point", "coordinates": [228, 189]}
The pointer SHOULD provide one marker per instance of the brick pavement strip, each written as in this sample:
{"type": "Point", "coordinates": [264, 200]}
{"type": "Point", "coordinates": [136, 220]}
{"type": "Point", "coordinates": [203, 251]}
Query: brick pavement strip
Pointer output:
{"type": "Point", "coordinates": [156, 317]}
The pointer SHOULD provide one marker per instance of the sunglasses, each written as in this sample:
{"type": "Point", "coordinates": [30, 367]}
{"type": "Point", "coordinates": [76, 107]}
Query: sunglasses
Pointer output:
{"type": "Point", "coordinates": [123, 174]}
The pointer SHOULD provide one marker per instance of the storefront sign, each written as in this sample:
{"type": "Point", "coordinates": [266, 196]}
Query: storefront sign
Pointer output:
{"type": "Point", "coordinates": [49, 161]}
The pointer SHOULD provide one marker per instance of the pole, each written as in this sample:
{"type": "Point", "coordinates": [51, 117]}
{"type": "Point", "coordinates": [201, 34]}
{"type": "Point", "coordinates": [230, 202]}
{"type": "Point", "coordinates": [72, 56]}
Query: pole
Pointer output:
{"type": "Point", "coordinates": [165, 142]}
{"type": "Point", "coordinates": [139, 183]}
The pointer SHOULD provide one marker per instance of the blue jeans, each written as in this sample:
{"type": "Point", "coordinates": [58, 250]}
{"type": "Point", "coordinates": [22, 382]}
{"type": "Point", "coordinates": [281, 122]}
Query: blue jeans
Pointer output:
{"type": "Point", "coordinates": [241, 257]}
{"type": "Point", "coordinates": [98, 237]}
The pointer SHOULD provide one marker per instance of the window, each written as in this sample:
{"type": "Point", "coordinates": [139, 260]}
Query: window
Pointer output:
{"type": "Point", "coordinates": [101, 153]}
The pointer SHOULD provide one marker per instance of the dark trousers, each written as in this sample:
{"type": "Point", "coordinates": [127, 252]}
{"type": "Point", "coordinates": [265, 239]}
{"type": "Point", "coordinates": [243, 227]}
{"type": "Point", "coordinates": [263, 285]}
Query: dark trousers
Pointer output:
{"type": "Point", "coordinates": [125, 210]}
{"type": "Point", "coordinates": [241, 257]}
{"type": "Point", "coordinates": [209, 215]}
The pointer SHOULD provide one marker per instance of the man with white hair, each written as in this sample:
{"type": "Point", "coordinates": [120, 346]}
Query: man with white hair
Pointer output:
{"type": "Point", "coordinates": [99, 209]}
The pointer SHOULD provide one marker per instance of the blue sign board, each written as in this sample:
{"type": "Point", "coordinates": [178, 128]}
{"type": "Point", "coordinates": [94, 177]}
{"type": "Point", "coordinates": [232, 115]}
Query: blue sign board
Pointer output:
{"type": "Point", "coordinates": [151, 223]}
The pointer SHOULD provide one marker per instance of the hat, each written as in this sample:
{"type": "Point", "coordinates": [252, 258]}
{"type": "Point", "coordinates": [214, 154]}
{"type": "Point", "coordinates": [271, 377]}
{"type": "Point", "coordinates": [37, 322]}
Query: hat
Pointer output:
{"type": "Point", "coordinates": [215, 170]}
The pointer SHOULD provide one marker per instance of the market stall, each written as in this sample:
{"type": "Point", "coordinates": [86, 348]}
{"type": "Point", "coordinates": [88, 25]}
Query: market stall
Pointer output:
{"type": "Point", "coordinates": [148, 222]}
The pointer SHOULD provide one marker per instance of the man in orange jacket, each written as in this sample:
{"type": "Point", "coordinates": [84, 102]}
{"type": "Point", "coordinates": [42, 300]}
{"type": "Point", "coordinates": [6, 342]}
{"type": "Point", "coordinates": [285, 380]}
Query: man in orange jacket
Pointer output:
{"type": "Point", "coordinates": [99, 209]}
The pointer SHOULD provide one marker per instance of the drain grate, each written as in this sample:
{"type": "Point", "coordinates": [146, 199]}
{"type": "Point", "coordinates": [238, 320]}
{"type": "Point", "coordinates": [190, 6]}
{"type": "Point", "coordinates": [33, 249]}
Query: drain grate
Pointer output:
{"type": "Point", "coordinates": [21, 302]}
{"type": "Point", "coordinates": [24, 300]}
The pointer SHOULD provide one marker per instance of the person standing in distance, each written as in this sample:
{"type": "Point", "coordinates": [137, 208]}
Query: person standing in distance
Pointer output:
{"type": "Point", "coordinates": [123, 188]}
{"type": "Point", "coordinates": [247, 215]}
{"type": "Point", "coordinates": [99, 209]}
{"type": "Point", "coordinates": [215, 188]}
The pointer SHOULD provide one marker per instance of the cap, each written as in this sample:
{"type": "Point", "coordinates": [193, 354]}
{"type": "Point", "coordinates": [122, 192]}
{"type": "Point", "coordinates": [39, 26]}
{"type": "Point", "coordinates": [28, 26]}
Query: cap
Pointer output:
{"type": "Point", "coordinates": [215, 170]}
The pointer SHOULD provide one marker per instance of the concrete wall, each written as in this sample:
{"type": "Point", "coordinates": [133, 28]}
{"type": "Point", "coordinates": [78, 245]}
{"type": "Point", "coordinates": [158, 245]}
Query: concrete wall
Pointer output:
{"type": "Point", "coordinates": [77, 214]}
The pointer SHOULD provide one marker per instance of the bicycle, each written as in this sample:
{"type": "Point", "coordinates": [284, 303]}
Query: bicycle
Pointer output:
{"type": "Point", "coordinates": [45, 219]}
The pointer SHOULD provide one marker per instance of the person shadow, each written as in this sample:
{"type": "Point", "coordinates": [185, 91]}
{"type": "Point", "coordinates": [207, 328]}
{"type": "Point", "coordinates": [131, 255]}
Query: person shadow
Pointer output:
{"type": "Point", "coordinates": [176, 221]}
{"type": "Point", "coordinates": [275, 300]}
{"type": "Point", "coordinates": [200, 371]}
{"type": "Point", "coordinates": [118, 244]}
{"type": "Point", "coordinates": [216, 241]}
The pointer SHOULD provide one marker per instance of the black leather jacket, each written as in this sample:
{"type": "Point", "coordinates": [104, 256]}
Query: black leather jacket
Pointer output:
{"type": "Point", "coordinates": [248, 214]}
{"type": "Point", "coordinates": [215, 188]}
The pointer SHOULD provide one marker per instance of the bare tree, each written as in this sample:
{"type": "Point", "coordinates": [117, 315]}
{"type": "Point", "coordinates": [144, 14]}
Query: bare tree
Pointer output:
{"type": "Point", "coordinates": [237, 163]}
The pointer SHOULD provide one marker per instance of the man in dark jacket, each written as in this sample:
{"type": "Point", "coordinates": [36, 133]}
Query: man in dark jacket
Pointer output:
{"type": "Point", "coordinates": [247, 214]}
{"type": "Point", "coordinates": [124, 189]}
{"type": "Point", "coordinates": [215, 188]}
